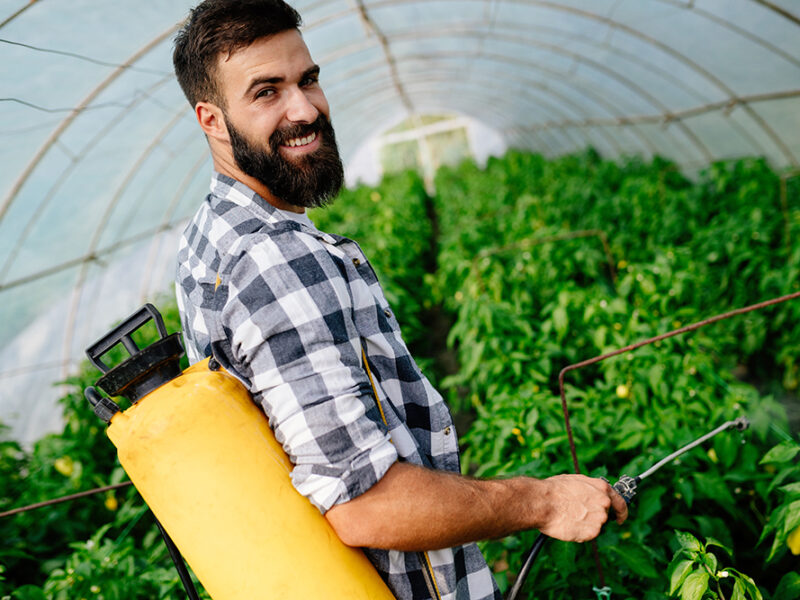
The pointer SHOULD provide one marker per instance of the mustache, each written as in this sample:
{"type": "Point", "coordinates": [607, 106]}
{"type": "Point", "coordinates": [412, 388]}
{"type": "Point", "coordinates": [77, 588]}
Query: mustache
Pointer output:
{"type": "Point", "coordinates": [280, 136]}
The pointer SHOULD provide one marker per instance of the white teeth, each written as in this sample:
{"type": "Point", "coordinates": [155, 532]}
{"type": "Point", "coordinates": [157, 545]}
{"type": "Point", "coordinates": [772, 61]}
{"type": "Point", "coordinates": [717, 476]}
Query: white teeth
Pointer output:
{"type": "Point", "coordinates": [293, 143]}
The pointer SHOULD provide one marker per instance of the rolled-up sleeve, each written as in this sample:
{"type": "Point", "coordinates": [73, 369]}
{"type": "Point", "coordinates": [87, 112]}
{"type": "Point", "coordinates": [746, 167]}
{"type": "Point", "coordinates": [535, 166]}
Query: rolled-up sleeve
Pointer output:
{"type": "Point", "coordinates": [285, 327]}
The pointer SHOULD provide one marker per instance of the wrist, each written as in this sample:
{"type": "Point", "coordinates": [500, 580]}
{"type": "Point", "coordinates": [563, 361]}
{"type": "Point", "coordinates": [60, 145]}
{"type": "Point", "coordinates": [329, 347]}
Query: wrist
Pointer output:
{"type": "Point", "coordinates": [535, 501]}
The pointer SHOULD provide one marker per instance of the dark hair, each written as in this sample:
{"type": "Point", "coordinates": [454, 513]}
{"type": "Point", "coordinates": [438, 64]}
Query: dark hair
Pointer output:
{"type": "Point", "coordinates": [215, 27]}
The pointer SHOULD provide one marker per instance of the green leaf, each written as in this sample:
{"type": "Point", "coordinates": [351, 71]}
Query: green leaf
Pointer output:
{"type": "Point", "coordinates": [679, 574]}
{"type": "Point", "coordinates": [752, 588]}
{"type": "Point", "coordinates": [783, 452]}
{"type": "Point", "coordinates": [711, 562]}
{"type": "Point", "coordinates": [28, 592]}
{"type": "Point", "coordinates": [738, 591]}
{"type": "Point", "coordinates": [791, 489]}
{"type": "Point", "coordinates": [560, 321]}
{"type": "Point", "coordinates": [688, 541]}
{"type": "Point", "coordinates": [637, 560]}
{"type": "Point", "coordinates": [710, 541]}
{"type": "Point", "coordinates": [788, 588]}
{"type": "Point", "coordinates": [695, 586]}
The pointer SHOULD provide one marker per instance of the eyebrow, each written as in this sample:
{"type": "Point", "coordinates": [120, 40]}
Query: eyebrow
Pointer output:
{"type": "Point", "coordinates": [313, 70]}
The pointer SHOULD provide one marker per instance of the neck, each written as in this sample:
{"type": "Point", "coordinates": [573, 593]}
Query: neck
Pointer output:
{"type": "Point", "coordinates": [227, 166]}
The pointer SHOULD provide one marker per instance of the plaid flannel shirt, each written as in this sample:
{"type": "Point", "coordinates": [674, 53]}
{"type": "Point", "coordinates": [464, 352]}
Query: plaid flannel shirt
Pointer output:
{"type": "Point", "coordinates": [292, 311]}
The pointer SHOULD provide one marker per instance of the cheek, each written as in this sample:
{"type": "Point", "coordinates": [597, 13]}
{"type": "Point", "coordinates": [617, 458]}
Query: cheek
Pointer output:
{"type": "Point", "coordinates": [320, 102]}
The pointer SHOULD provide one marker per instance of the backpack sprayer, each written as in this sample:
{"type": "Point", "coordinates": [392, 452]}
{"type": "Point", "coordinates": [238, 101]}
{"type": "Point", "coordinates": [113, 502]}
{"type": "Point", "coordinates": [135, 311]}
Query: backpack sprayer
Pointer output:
{"type": "Point", "coordinates": [203, 457]}
{"type": "Point", "coordinates": [626, 487]}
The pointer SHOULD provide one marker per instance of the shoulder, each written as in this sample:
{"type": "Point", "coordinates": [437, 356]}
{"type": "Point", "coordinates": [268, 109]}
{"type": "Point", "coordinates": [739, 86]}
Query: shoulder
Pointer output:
{"type": "Point", "coordinates": [285, 245]}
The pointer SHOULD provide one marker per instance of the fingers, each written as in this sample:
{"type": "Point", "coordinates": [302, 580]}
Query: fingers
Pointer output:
{"type": "Point", "coordinates": [618, 505]}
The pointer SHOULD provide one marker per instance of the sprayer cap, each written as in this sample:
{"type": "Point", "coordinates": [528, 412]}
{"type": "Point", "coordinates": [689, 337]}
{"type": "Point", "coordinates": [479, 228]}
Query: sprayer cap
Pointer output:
{"type": "Point", "coordinates": [147, 368]}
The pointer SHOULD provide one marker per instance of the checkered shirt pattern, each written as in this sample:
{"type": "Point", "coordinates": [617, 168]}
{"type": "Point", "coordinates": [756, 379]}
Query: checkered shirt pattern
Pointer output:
{"type": "Point", "coordinates": [295, 311]}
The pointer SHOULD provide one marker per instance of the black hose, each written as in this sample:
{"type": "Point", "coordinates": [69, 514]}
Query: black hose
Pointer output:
{"type": "Point", "coordinates": [177, 559]}
{"type": "Point", "coordinates": [526, 567]}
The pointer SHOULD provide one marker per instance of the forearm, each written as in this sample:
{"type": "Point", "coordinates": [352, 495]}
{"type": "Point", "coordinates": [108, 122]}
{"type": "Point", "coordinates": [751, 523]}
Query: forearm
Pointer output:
{"type": "Point", "coordinates": [413, 508]}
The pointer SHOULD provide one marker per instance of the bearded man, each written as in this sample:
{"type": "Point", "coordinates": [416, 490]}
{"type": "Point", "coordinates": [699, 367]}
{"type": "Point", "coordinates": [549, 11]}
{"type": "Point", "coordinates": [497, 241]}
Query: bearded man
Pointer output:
{"type": "Point", "coordinates": [298, 316]}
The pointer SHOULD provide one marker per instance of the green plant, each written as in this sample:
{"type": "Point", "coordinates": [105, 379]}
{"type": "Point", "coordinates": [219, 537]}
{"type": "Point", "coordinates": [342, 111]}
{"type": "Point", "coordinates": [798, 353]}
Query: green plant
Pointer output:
{"type": "Point", "coordinates": [784, 518]}
{"type": "Point", "coordinates": [695, 573]}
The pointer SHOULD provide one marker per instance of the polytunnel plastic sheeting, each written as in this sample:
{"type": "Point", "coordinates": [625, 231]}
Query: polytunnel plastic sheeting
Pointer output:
{"type": "Point", "coordinates": [102, 162]}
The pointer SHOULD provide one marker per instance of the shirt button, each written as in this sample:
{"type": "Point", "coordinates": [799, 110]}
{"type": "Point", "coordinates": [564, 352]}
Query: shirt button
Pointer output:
{"type": "Point", "coordinates": [356, 261]}
{"type": "Point", "coordinates": [447, 431]}
{"type": "Point", "coordinates": [388, 313]}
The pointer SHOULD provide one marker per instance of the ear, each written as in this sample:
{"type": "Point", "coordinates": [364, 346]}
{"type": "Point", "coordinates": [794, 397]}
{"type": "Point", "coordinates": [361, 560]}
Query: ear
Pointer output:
{"type": "Point", "coordinates": [212, 121]}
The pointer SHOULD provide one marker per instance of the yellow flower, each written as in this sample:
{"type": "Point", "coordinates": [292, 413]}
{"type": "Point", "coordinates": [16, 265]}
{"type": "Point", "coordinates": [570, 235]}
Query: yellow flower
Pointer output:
{"type": "Point", "coordinates": [516, 431]}
{"type": "Point", "coordinates": [64, 465]}
{"type": "Point", "coordinates": [793, 541]}
{"type": "Point", "coordinates": [623, 391]}
{"type": "Point", "coordinates": [111, 502]}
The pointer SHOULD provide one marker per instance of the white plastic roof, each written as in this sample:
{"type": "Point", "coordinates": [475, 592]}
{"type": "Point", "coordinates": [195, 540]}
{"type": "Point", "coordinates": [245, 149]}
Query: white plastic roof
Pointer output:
{"type": "Point", "coordinates": [101, 161]}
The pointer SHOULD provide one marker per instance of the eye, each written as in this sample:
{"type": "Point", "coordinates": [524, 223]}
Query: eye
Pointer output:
{"type": "Point", "coordinates": [310, 80]}
{"type": "Point", "coordinates": [265, 93]}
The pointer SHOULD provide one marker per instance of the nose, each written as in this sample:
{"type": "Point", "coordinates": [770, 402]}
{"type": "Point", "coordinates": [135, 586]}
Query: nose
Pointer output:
{"type": "Point", "coordinates": [300, 109]}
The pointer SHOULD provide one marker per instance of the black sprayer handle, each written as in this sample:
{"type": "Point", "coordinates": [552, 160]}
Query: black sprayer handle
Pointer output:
{"type": "Point", "coordinates": [122, 333]}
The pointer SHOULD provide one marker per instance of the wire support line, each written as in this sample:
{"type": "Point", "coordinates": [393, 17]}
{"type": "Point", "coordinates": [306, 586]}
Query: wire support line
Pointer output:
{"type": "Point", "coordinates": [53, 364]}
{"type": "Point", "coordinates": [62, 110]}
{"type": "Point", "coordinates": [666, 118]}
{"type": "Point", "coordinates": [83, 57]}
{"type": "Point", "coordinates": [91, 257]}
{"type": "Point", "coordinates": [54, 501]}
{"type": "Point", "coordinates": [80, 109]}
{"type": "Point", "coordinates": [652, 340]}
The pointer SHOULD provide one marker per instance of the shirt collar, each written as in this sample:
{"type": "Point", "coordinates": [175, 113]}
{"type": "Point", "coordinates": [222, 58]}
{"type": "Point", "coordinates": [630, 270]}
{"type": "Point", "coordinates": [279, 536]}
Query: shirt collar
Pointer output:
{"type": "Point", "coordinates": [227, 188]}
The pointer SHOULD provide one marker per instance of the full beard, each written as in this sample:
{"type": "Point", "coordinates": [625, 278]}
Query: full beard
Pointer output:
{"type": "Point", "coordinates": [309, 180]}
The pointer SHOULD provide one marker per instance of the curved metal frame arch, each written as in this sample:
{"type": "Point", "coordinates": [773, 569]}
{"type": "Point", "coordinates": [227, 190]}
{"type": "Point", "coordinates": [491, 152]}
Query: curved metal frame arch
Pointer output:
{"type": "Point", "coordinates": [155, 236]}
{"type": "Point", "coordinates": [782, 12]}
{"type": "Point", "coordinates": [620, 79]}
{"type": "Point", "coordinates": [682, 58]}
{"type": "Point", "coordinates": [180, 192]}
{"type": "Point", "coordinates": [735, 28]}
{"type": "Point", "coordinates": [582, 90]}
{"type": "Point", "coordinates": [115, 198]}
{"type": "Point", "coordinates": [73, 164]}
{"type": "Point", "coordinates": [51, 140]}
{"type": "Point", "coordinates": [622, 27]}
{"type": "Point", "coordinates": [374, 93]}
{"type": "Point", "coordinates": [93, 255]}
{"type": "Point", "coordinates": [481, 115]}
{"type": "Point", "coordinates": [18, 12]}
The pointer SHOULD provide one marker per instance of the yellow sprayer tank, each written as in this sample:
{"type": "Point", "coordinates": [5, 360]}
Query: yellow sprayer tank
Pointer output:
{"type": "Point", "coordinates": [202, 455]}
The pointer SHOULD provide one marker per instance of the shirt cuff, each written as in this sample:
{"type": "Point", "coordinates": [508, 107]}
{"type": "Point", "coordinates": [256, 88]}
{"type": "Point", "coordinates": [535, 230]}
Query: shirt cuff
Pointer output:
{"type": "Point", "coordinates": [327, 486]}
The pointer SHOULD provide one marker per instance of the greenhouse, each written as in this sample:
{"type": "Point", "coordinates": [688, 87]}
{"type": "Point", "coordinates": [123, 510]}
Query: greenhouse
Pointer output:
{"type": "Point", "coordinates": [539, 185]}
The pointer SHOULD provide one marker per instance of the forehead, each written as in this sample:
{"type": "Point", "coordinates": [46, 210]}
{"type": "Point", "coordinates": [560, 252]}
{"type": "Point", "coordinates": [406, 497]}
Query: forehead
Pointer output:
{"type": "Point", "coordinates": [283, 56]}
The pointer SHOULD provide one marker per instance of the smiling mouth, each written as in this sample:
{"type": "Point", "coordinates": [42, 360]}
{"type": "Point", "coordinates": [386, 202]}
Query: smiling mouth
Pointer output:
{"type": "Point", "coordinates": [300, 141]}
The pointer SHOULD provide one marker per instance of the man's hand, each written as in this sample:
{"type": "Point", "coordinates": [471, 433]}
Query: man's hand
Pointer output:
{"type": "Point", "coordinates": [578, 507]}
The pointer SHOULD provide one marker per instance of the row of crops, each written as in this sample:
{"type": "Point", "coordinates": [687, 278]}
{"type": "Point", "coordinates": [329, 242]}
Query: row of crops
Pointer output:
{"type": "Point", "coordinates": [502, 278]}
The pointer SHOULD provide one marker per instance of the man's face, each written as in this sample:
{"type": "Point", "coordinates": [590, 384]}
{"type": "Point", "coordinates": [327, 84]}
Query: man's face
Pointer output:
{"type": "Point", "coordinates": [278, 120]}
